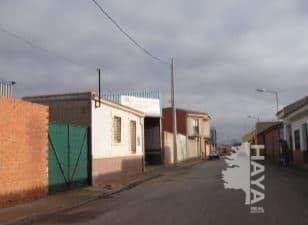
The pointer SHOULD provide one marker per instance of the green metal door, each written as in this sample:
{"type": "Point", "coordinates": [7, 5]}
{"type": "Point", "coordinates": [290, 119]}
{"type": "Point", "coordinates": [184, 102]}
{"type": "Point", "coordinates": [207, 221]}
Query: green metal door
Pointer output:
{"type": "Point", "coordinates": [68, 158]}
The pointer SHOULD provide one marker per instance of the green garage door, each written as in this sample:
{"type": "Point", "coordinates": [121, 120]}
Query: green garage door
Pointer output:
{"type": "Point", "coordinates": [68, 158]}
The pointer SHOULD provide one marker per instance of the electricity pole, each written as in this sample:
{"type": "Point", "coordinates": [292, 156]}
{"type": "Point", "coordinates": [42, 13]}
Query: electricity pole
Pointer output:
{"type": "Point", "coordinates": [173, 112]}
{"type": "Point", "coordinates": [99, 87]}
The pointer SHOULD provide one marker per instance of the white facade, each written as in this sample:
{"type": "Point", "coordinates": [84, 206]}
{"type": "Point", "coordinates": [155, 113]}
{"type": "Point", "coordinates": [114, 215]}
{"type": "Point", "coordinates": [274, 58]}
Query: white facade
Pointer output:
{"type": "Point", "coordinates": [103, 145]}
{"type": "Point", "coordinates": [293, 122]}
{"type": "Point", "coordinates": [150, 106]}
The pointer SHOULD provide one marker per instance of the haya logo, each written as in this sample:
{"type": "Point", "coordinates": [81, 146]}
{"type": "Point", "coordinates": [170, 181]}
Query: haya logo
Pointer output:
{"type": "Point", "coordinates": [246, 171]}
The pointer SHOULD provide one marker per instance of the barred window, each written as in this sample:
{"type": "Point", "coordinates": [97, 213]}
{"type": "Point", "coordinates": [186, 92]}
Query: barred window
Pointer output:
{"type": "Point", "coordinates": [196, 126]}
{"type": "Point", "coordinates": [117, 129]}
{"type": "Point", "coordinates": [133, 136]}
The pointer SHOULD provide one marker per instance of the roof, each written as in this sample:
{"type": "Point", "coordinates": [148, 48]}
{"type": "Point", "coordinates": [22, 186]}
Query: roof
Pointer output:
{"type": "Point", "coordinates": [289, 109]}
{"type": "Point", "coordinates": [264, 126]}
{"type": "Point", "coordinates": [82, 96]}
{"type": "Point", "coordinates": [191, 111]}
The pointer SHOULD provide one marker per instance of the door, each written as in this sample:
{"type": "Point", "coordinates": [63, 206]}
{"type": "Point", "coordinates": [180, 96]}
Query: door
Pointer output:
{"type": "Point", "coordinates": [133, 136]}
{"type": "Point", "coordinates": [68, 158]}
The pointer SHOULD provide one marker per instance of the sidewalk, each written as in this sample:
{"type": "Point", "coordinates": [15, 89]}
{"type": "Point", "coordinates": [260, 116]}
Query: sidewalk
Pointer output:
{"type": "Point", "coordinates": [30, 212]}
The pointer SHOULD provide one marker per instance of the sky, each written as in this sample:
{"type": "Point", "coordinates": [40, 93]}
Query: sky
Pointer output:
{"type": "Point", "coordinates": [224, 50]}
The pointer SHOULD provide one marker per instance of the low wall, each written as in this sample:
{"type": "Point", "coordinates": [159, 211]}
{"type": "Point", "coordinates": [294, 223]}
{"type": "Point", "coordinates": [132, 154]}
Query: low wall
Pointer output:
{"type": "Point", "coordinates": [23, 151]}
{"type": "Point", "coordinates": [183, 153]}
{"type": "Point", "coordinates": [193, 148]}
{"type": "Point", "coordinates": [116, 169]}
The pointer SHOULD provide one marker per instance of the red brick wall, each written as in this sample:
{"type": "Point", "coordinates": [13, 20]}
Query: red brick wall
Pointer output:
{"type": "Point", "coordinates": [180, 118]}
{"type": "Point", "coordinates": [23, 151]}
{"type": "Point", "coordinates": [272, 145]}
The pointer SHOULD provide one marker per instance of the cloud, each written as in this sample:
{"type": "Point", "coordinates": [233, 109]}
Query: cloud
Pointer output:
{"type": "Point", "coordinates": [224, 50]}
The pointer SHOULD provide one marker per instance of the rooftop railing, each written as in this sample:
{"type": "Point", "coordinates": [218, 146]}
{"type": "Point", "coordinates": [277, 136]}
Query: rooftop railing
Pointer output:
{"type": "Point", "coordinates": [6, 88]}
{"type": "Point", "coordinates": [116, 95]}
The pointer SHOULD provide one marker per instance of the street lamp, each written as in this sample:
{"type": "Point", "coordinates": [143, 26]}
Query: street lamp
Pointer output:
{"type": "Point", "coordinates": [271, 92]}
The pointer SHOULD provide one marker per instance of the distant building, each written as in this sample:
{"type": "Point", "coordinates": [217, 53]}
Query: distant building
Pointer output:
{"type": "Point", "coordinates": [225, 149]}
{"type": "Point", "coordinates": [6, 88]}
{"type": "Point", "coordinates": [295, 120]}
{"type": "Point", "coordinates": [250, 137]}
{"type": "Point", "coordinates": [214, 137]}
{"type": "Point", "coordinates": [267, 134]}
{"type": "Point", "coordinates": [193, 135]}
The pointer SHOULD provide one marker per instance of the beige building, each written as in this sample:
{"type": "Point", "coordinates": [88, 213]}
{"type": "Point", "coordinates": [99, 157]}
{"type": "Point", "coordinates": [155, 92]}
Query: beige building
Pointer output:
{"type": "Point", "coordinates": [193, 135]}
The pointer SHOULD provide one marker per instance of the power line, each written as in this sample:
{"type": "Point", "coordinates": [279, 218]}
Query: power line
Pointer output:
{"type": "Point", "coordinates": [127, 35]}
{"type": "Point", "coordinates": [34, 46]}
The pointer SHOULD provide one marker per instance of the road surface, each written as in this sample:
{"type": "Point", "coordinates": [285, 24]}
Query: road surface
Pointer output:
{"type": "Point", "coordinates": [197, 196]}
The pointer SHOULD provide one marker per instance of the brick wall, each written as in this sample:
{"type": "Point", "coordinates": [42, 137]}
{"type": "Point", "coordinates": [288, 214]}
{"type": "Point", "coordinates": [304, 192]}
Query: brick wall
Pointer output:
{"type": "Point", "coordinates": [167, 120]}
{"type": "Point", "coordinates": [23, 151]}
{"type": "Point", "coordinates": [272, 144]}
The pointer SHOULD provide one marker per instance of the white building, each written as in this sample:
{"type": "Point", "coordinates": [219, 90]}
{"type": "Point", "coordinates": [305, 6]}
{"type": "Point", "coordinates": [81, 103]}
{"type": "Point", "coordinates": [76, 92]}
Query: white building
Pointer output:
{"type": "Point", "coordinates": [117, 141]}
{"type": "Point", "coordinates": [295, 120]}
{"type": "Point", "coordinates": [116, 132]}
{"type": "Point", "coordinates": [148, 102]}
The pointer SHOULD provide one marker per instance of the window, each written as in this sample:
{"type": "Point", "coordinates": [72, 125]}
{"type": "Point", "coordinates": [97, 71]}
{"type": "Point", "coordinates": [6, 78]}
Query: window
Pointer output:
{"type": "Point", "coordinates": [196, 126]}
{"type": "Point", "coordinates": [133, 136]}
{"type": "Point", "coordinates": [297, 139]}
{"type": "Point", "coordinates": [305, 136]}
{"type": "Point", "coordinates": [117, 129]}
{"type": "Point", "coordinates": [281, 133]}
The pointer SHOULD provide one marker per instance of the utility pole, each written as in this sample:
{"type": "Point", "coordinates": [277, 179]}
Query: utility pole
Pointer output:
{"type": "Point", "coordinates": [173, 112]}
{"type": "Point", "coordinates": [99, 87]}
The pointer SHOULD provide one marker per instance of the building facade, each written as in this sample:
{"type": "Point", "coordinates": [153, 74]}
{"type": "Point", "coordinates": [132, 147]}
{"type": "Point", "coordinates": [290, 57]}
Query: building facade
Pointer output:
{"type": "Point", "coordinates": [193, 135]}
{"type": "Point", "coordinates": [295, 122]}
{"type": "Point", "coordinates": [148, 102]}
{"type": "Point", "coordinates": [116, 145]}
{"type": "Point", "coordinates": [270, 135]}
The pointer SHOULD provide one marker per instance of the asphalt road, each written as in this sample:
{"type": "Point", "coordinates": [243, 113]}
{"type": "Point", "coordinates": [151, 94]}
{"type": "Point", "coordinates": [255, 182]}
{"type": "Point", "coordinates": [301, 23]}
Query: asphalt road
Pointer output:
{"type": "Point", "coordinates": [197, 196]}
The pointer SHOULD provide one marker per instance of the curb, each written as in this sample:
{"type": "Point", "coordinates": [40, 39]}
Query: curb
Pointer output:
{"type": "Point", "coordinates": [40, 217]}
{"type": "Point", "coordinates": [36, 218]}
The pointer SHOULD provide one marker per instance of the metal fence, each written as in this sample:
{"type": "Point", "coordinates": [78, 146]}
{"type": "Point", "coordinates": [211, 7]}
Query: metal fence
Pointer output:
{"type": "Point", "coordinates": [116, 95]}
{"type": "Point", "coordinates": [6, 88]}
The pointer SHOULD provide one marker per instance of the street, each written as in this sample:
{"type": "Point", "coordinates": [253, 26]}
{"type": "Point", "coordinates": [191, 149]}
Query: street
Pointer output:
{"type": "Point", "coordinates": [196, 195]}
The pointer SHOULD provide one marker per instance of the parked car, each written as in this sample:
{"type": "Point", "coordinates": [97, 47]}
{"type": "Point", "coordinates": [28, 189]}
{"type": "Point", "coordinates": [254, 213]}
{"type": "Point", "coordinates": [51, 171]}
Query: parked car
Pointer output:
{"type": "Point", "coordinates": [214, 155]}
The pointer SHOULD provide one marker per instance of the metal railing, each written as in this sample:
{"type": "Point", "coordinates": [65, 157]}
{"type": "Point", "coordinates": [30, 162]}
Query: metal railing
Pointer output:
{"type": "Point", "coordinates": [6, 88]}
{"type": "Point", "coordinates": [115, 96]}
